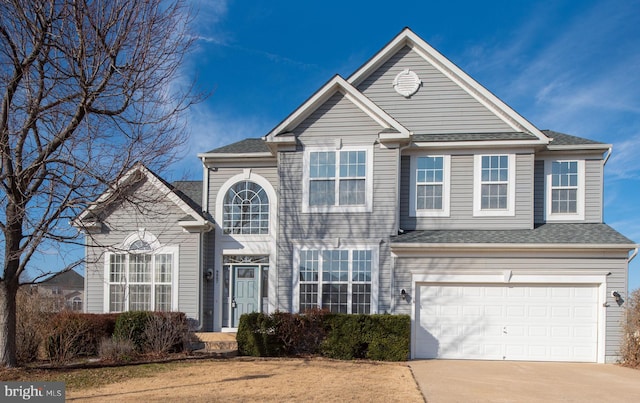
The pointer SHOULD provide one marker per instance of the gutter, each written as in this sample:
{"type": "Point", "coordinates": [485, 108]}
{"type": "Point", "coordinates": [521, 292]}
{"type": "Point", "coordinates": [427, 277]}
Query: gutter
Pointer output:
{"type": "Point", "coordinates": [633, 255]}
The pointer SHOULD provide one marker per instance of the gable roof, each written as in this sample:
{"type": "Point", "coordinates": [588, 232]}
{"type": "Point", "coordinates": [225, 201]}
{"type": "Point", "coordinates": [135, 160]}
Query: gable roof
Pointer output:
{"type": "Point", "coordinates": [194, 217]}
{"type": "Point", "coordinates": [408, 38]}
{"type": "Point", "coordinates": [190, 192]}
{"type": "Point", "coordinates": [69, 279]}
{"type": "Point", "coordinates": [339, 84]}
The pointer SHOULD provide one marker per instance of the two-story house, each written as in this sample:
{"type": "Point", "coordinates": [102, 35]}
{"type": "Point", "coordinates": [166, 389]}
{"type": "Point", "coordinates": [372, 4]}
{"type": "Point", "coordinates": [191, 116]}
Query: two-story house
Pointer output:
{"type": "Point", "coordinates": [406, 188]}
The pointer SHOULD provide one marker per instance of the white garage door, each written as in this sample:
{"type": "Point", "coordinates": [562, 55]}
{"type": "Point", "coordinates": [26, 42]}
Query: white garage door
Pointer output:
{"type": "Point", "coordinates": [498, 322]}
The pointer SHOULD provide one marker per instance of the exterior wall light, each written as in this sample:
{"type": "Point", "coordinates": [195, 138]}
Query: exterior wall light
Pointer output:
{"type": "Point", "coordinates": [403, 295]}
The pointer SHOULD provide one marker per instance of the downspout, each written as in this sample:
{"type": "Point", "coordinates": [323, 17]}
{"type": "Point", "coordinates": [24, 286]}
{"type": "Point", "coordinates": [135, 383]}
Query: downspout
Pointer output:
{"type": "Point", "coordinates": [203, 271]}
{"type": "Point", "coordinates": [633, 255]}
{"type": "Point", "coordinates": [608, 155]}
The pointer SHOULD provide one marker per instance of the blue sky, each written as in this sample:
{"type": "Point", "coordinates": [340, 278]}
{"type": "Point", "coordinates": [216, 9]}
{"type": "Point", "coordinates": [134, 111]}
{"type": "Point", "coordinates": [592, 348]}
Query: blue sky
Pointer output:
{"type": "Point", "coordinates": [570, 66]}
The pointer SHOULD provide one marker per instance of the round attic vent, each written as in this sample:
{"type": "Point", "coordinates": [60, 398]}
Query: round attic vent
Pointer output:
{"type": "Point", "coordinates": [406, 83]}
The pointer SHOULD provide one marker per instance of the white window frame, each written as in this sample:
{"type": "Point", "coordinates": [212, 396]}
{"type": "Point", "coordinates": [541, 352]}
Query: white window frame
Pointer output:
{"type": "Point", "coordinates": [580, 194]}
{"type": "Point", "coordinates": [320, 247]}
{"type": "Point", "coordinates": [478, 211]}
{"type": "Point", "coordinates": [156, 249]}
{"type": "Point", "coordinates": [446, 188]}
{"type": "Point", "coordinates": [368, 204]}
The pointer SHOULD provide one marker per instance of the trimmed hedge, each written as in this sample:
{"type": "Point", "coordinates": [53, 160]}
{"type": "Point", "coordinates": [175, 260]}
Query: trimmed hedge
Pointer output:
{"type": "Point", "coordinates": [341, 336]}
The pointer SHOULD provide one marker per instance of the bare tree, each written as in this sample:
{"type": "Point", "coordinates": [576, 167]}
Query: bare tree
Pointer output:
{"type": "Point", "coordinates": [88, 89]}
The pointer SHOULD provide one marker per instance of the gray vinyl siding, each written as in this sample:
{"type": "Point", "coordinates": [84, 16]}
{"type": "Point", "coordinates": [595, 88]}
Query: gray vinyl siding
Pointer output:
{"type": "Point", "coordinates": [156, 215]}
{"type": "Point", "coordinates": [337, 118]}
{"type": "Point", "coordinates": [593, 191]}
{"type": "Point", "coordinates": [461, 198]}
{"type": "Point", "coordinates": [614, 262]}
{"type": "Point", "coordinates": [539, 198]}
{"type": "Point", "coordinates": [439, 106]}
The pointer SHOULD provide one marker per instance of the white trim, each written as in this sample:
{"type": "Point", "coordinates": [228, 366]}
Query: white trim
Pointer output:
{"type": "Point", "coordinates": [238, 244]}
{"type": "Point", "coordinates": [350, 246]}
{"type": "Point", "coordinates": [334, 85]}
{"type": "Point", "coordinates": [478, 211]}
{"type": "Point", "coordinates": [580, 194]}
{"type": "Point", "coordinates": [453, 72]}
{"type": "Point", "coordinates": [446, 188]}
{"type": "Point", "coordinates": [165, 191]}
{"type": "Point", "coordinates": [173, 250]}
{"type": "Point", "coordinates": [366, 207]}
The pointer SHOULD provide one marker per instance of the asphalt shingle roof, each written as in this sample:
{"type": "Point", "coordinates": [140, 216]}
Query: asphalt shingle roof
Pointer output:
{"type": "Point", "coordinates": [561, 139]}
{"type": "Point", "coordinates": [246, 146]}
{"type": "Point", "coordinates": [473, 137]}
{"type": "Point", "coordinates": [555, 233]}
{"type": "Point", "coordinates": [190, 192]}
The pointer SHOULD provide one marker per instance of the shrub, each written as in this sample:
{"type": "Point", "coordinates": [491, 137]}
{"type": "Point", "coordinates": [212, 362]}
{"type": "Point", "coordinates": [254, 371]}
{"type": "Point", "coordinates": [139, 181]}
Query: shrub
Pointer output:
{"type": "Point", "coordinates": [117, 350]}
{"type": "Point", "coordinates": [64, 339]}
{"type": "Point", "coordinates": [257, 336]}
{"type": "Point", "coordinates": [341, 336]}
{"type": "Point", "coordinates": [166, 332]}
{"type": "Point", "coordinates": [630, 349]}
{"type": "Point", "coordinates": [31, 324]}
{"type": "Point", "coordinates": [130, 326]}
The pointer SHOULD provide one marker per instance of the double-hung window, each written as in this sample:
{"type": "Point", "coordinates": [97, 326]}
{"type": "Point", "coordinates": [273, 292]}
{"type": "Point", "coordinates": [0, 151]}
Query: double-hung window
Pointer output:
{"type": "Point", "coordinates": [337, 180]}
{"type": "Point", "coordinates": [565, 192]}
{"type": "Point", "coordinates": [340, 280]}
{"type": "Point", "coordinates": [494, 185]}
{"type": "Point", "coordinates": [141, 278]}
{"type": "Point", "coordinates": [430, 185]}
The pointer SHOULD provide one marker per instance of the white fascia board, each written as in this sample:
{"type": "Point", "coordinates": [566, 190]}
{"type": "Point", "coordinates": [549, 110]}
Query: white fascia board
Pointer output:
{"type": "Point", "coordinates": [196, 226]}
{"type": "Point", "coordinates": [155, 181]}
{"type": "Point", "coordinates": [578, 147]}
{"type": "Point", "coordinates": [478, 144]}
{"type": "Point", "coordinates": [453, 72]}
{"type": "Point", "coordinates": [225, 156]}
{"type": "Point", "coordinates": [399, 248]}
{"type": "Point", "coordinates": [336, 84]}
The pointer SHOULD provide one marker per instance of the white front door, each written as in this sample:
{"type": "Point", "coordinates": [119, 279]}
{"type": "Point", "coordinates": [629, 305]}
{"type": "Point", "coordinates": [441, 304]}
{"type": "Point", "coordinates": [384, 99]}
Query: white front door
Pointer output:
{"type": "Point", "coordinates": [498, 322]}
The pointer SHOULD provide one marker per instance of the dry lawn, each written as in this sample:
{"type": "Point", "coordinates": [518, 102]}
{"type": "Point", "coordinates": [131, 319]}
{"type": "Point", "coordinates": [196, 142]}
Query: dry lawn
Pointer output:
{"type": "Point", "coordinates": [265, 380]}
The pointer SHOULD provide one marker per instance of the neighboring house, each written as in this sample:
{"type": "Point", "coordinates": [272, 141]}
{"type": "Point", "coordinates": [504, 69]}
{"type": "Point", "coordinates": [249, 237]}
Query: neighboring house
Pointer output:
{"type": "Point", "coordinates": [65, 290]}
{"type": "Point", "coordinates": [407, 188]}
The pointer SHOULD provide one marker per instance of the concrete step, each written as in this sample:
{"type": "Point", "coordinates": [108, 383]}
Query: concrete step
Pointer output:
{"type": "Point", "coordinates": [214, 342]}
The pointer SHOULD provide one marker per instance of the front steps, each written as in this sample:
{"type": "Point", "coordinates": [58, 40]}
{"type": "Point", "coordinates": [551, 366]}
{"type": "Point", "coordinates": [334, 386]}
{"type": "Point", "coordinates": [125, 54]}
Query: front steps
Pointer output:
{"type": "Point", "coordinates": [217, 343]}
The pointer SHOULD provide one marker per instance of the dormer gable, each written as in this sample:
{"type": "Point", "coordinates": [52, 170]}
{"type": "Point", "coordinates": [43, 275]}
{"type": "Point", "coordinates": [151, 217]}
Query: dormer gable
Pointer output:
{"type": "Point", "coordinates": [193, 220]}
{"type": "Point", "coordinates": [391, 132]}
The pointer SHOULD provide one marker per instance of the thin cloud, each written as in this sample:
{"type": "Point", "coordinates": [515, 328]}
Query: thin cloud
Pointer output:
{"type": "Point", "coordinates": [624, 163]}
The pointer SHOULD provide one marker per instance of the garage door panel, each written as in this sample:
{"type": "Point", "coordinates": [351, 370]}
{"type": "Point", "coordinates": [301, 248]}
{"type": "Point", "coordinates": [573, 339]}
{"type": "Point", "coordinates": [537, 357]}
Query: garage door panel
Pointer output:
{"type": "Point", "coordinates": [482, 321]}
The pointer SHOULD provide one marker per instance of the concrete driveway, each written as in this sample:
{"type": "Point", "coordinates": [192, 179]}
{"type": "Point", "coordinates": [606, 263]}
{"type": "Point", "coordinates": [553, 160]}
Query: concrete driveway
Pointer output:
{"type": "Point", "coordinates": [500, 381]}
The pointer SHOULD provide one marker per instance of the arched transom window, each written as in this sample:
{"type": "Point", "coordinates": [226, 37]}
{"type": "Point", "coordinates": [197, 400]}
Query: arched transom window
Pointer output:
{"type": "Point", "coordinates": [246, 209]}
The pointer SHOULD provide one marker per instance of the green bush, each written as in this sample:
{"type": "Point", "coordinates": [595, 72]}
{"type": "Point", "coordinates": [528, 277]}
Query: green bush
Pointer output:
{"type": "Point", "coordinates": [257, 336]}
{"type": "Point", "coordinates": [131, 326]}
{"type": "Point", "coordinates": [340, 336]}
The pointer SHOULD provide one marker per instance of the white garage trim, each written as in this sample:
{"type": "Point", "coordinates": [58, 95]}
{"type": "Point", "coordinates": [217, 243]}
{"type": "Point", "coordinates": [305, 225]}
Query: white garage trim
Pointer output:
{"type": "Point", "coordinates": [566, 277]}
